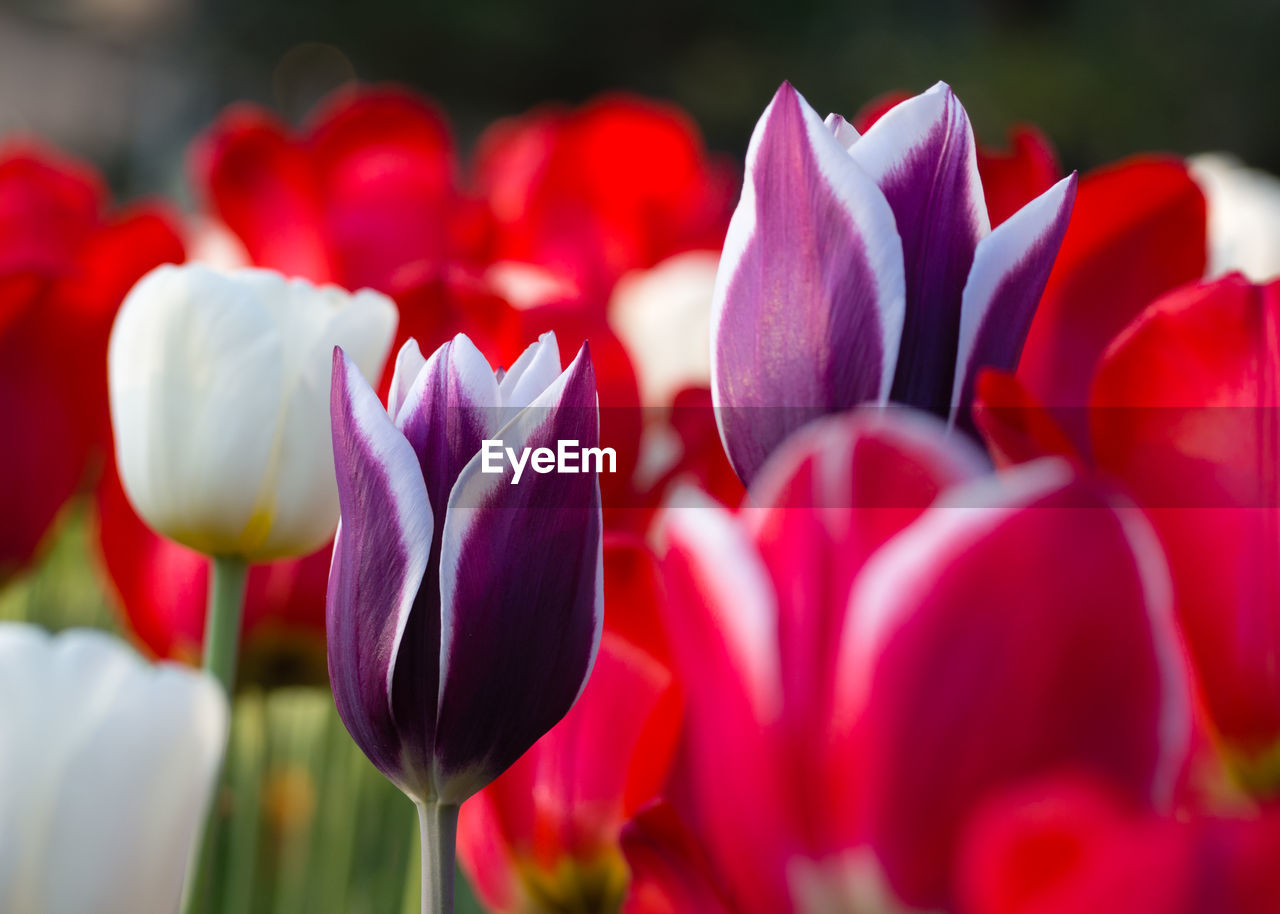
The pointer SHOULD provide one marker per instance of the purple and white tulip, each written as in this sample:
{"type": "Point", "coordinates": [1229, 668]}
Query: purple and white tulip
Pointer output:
{"type": "Point", "coordinates": [464, 611]}
{"type": "Point", "coordinates": [863, 268]}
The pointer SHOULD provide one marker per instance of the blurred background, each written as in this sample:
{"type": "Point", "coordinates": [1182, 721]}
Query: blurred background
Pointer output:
{"type": "Point", "coordinates": [127, 83]}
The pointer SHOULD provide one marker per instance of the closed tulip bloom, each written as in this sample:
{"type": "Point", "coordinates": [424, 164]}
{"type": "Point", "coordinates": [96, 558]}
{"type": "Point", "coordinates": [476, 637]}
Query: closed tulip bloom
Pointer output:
{"type": "Point", "coordinates": [219, 389]}
{"type": "Point", "coordinates": [465, 605]}
{"type": "Point", "coordinates": [878, 642]}
{"type": "Point", "coordinates": [106, 766]}
{"type": "Point", "coordinates": [863, 268]}
{"type": "Point", "coordinates": [1184, 413]}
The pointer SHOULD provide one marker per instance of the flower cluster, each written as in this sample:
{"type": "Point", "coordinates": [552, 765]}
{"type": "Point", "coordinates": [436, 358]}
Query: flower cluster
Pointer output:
{"type": "Point", "coordinates": [932, 569]}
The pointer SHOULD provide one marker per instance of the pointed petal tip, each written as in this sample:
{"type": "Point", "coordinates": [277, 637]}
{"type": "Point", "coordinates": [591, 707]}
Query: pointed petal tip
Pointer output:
{"type": "Point", "coordinates": [787, 94]}
{"type": "Point", "coordinates": [410, 347]}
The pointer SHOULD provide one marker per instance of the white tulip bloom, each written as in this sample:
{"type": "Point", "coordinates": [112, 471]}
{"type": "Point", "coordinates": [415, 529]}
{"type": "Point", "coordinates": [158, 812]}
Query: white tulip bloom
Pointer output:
{"type": "Point", "coordinates": [107, 764]}
{"type": "Point", "coordinates": [663, 317]}
{"type": "Point", "coordinates": [219, 389]}
{"type": "Point", "coordinates": [1244, 216]}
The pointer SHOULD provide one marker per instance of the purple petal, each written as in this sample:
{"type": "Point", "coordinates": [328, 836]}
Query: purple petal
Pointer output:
{"type": "Point", "coordinates": [922, 155]}
{"type": "Point", "coordinates": [379, 558]}
{"type": "Point", "coordinates": [1010, 269]}
{"type": "Point", "coordinates": [452, 405]}
{"type": "Point", "coordinates": [521, 592]}
{"type": "Point", "coordinates": [808, 304]}
{"type": "Point", "coordinates": [448, 410]}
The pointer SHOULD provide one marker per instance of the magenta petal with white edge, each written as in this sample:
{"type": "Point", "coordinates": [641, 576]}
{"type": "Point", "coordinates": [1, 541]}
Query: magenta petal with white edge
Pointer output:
{"type": "Point", "coordinates": [1010, 269]}
{"type": "Point", "coordinates": [1022, 625]}
{"type": "Point", "coordinates": [379, 558]}
{"type": "Point", "coordinates": [922, 155]}
{"type": "Point", "coordinates": [809, 297]}
{"type": "Point", "coordinates": [521, 591]}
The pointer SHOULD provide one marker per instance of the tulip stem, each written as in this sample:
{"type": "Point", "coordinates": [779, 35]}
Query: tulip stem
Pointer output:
{"type": "Point", "coordinates": [227, 577]}
{"type": "Point", "coordinates": [438, 823]}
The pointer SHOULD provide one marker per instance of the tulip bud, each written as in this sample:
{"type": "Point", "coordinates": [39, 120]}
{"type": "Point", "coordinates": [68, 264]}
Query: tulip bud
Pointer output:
{"type": "Point", "coordinates": [864, 268]}
{"type": "Point", "coordinates": [464, 607]}
{"type": "Point", "coordinates": [219, 391]}
{"type": "Point", "coordinates": [108, 765]}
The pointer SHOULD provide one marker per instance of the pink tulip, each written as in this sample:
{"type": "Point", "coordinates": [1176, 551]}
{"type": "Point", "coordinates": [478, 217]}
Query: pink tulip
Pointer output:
{"type": "Point", "coordinates": [880, 639]}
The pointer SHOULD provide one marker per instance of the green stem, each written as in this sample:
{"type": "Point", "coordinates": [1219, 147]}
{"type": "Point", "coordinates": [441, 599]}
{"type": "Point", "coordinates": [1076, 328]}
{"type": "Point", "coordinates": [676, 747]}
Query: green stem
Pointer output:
{"type": "Point", "coordinates": [438, 825]}
{"type": "Point", "coordinates": [227, 578]}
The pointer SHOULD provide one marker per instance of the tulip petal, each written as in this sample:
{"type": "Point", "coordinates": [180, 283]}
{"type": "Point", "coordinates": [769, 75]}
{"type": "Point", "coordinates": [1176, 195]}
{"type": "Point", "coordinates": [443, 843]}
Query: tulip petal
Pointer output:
{"type": "Point", "coordinates": [384, 163]}
{"type": "Point", "coordinates": [409, 364]}
{"type": "Point", "coordinates": [379, 558]}
{"type": "Point", "coordinates": [108, 769]}
{"type": "Point", "coordinates": [521, 592]}
{"type": "Point", "coordinates": [721, 616]}
{"type": "Point", "coordinates": [958, 685]}
{"type": "Point", "coordinates": [257, 179]}
{"type": "Point", "coordinates": [808, 304]}
{"type": "Point", "coordinates": [832, 495]}
{"type": "Point", "coordinates": [532, 373]}
{"type": "Point", "coordinates": [1014, 425]}
{"type": "Point", "coordinates": [669, 873]}
{"type": "Point", "coordinates": [1066, 844]}
{"type": "Point", "coordinates": [302, 503]}
{"type": "Point", "coordinates": [1010, 269]}
{"type": "Point", "coordinates": [447, 413]}
{"type": "Point", "coordinates": [922, 155]}
{"type": "Point", "coordinates": [842, 130]}
{"type": "Point", "coordinates": [1137, 230]}
{"type": "Point", "coordinates": [184, 336]}
{"type": "Point", "coordinates": [1184, 411]}
{"type": "Point", "coordinates": [1014, 177]}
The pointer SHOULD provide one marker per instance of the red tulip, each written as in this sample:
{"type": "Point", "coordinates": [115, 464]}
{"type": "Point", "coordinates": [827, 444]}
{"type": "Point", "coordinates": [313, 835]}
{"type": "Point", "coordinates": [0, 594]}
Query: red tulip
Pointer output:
{"type": "Point", "coordinates": [1184, 412]}
{"type": "Point", "coordinates": [865, 665]}
{"type": "Point", "coordinates": [1137, 231]}
{"type": "Point", "coordinates": [544, 836]}
{"type": "Point", "coordinates": [1069, 845]}
{"type": "Point", "coordinates": [368, 187]}
{"type": "Point", "coordinates": [65, 265]}
{"type": "Point", "coordinates": [670, 873]}
{"type": "Point", "coordinates": [588, 194]}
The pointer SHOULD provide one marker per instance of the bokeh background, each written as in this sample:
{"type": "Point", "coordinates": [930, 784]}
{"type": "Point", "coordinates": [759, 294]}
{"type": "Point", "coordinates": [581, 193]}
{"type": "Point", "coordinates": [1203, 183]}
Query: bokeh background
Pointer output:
{"type": "Point", "coordinates": [127, 83]}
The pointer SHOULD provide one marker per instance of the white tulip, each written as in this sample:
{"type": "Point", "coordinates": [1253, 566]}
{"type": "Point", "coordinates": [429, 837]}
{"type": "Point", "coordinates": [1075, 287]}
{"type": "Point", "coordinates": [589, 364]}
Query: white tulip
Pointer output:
{"type": "Point", "coordinates": [1244, 216]}
{"type": "Point", "coordinates": [219, 389]}
{"type": "Point", "coordinates": [663, 317]}
{"type": "Point", "coordinates": [107, 764]}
